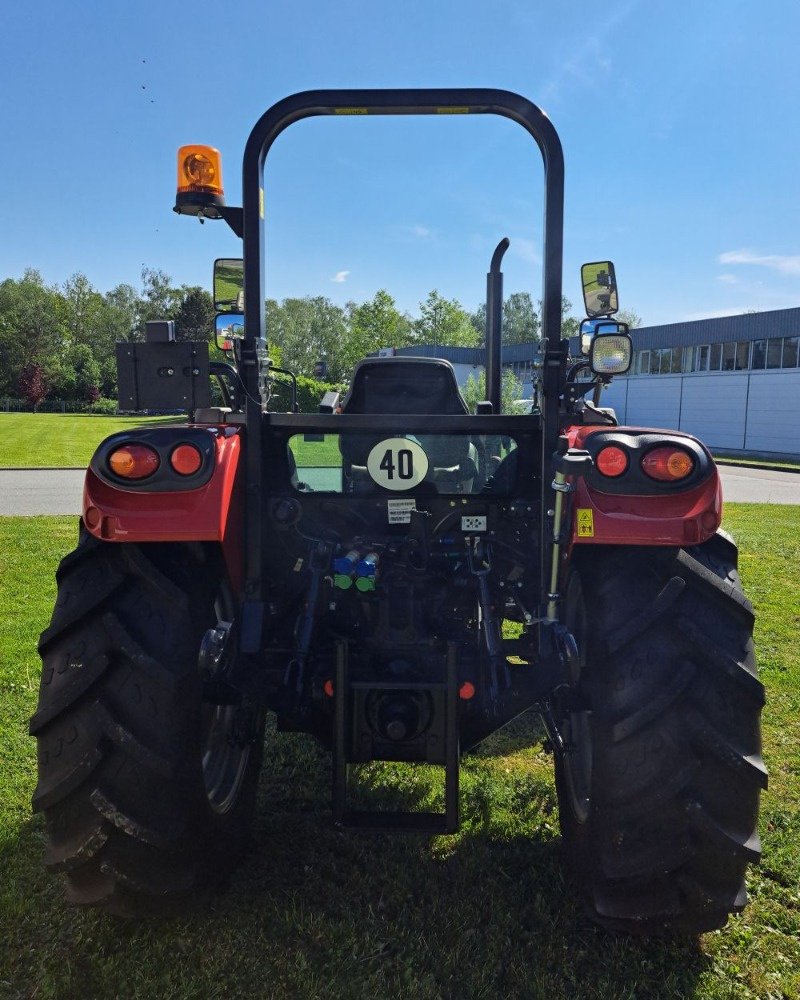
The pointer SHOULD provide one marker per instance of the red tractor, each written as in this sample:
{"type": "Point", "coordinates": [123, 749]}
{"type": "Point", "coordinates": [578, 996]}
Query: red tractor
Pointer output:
{"type": "Point", "coordinates": [354, 571]}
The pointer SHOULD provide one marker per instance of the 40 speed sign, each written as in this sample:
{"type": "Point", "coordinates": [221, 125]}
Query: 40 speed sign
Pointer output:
{"type": "Point", "coordinates": [397, 464]}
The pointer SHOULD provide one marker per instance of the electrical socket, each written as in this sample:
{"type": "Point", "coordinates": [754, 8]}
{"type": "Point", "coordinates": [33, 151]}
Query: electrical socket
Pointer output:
{"type": "Point", "coordinates": [473, 522]}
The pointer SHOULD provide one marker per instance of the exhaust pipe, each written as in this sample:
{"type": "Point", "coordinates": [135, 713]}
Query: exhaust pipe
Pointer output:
{"type": "Point", "coordinates": [494, 326]}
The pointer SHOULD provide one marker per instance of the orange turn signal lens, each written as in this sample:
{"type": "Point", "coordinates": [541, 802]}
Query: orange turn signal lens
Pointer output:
{"type": "Point", "coordinates": [133, 461]}
{"type": "Point", "coordinates": [611, 461]}
{"type": "Point", "coordinates": [667, 465]}
{"type": "Point", "coordinates": [186, 459]}
{"type": "Point", "coordinates": [199, 170]}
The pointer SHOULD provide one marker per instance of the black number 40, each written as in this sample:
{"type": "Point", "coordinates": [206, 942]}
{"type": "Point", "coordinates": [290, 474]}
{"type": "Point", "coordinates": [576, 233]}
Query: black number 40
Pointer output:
{"type": "Point", "coordinates": [404, 467]}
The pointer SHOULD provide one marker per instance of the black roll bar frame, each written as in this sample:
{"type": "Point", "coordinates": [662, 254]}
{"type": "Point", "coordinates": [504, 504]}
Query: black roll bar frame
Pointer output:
{"type": "Point", "coordinates": [344, 103]}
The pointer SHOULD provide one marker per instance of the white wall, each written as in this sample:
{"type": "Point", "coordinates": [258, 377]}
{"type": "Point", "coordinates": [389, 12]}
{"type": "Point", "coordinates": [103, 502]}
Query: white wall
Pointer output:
{"type": "Point", "coordinates": [740, 411]}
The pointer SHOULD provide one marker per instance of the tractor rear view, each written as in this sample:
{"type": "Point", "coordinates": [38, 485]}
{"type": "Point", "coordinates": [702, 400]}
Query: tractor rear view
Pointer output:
{"type": "Point", "coordinates": [359, 571]}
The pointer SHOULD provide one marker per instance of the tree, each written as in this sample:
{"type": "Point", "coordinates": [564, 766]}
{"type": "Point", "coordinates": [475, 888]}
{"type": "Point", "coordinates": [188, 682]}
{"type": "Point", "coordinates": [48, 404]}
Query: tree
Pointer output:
{"type": "Point", "coordinates": [510, 391]}
{"type": "Point", "coordinates": [306, 330]}
{"type": "Point", "coordinates": [31, 384]}
{"type": "Point", "coordinates": [372, 325]}
{"type": "Point", "coordinates": [520, 320]}
{"type": "Point", "coordinates": [31, 326]}
{"type": "Point", "coordinates": [83, 311]}
{"type": "Point", "coordinates": [444, 321]}
{"type": "Point", "coordinates": [159, 299]}
{"type": "Point", "coordinates": [87, 373]}
{"type": "Point", "coordinates": [194, 319]}
{"type": "Point", "coordinates": [629, 317]}
{"type": "Point", "coordinates": [122, 315]}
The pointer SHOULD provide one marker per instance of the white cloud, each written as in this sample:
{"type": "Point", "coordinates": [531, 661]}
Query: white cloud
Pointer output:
{"type": "Point", "coordinates": [529, 250]}
{"type": "Point", "coordinates": [340, 276]}
{"type": "Point", "coordinates": [727, 279]}
{"type": "Point", "coordinates": [776, 262]}
{"type": "Point", "coordinates": [418, 231]}
{"type": "Point", "coordinates": [711, 314]}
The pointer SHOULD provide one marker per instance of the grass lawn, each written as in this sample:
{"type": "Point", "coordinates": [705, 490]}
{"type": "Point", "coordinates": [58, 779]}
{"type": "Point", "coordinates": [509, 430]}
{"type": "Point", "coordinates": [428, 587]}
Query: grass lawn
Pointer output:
{"type": "Point", "coordinates": [319, 913]}
{"type": "Point", "coordinates": [53, 440]}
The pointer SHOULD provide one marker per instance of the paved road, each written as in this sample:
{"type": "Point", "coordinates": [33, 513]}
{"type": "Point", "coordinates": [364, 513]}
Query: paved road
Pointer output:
{"type": "Point", "coordinates": [59, 491]}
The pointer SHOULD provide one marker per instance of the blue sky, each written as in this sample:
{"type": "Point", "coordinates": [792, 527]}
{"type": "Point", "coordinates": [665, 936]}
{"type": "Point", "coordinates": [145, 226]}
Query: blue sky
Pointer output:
{"type": "Point", "coordinates": [680, 124]}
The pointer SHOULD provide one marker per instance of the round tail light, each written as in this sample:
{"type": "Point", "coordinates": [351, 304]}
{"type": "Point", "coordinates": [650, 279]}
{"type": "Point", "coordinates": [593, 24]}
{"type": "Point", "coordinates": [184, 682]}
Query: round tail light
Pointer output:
{"type": "Point", "coordinates": [133, 461]}
{"type": "Point", "coordinates": [667, 465]}
{"type": "Point", "coordinates": [611, 461]}
{"type": "Point", "coordinates": [186, 459]}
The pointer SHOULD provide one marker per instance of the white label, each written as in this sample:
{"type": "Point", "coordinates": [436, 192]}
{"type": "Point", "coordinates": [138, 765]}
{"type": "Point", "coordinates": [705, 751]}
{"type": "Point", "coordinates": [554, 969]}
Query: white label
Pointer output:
{"type": "Point", "coordinates": [400, 511]}
{"type": "Point", "coordinates": [397, 464]}
{"type": "Point", "coordinates": [473, 522]}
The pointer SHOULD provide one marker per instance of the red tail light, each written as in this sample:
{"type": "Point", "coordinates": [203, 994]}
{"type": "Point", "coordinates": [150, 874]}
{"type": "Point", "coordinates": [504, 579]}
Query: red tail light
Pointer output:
{"type": "Point", "coordinates": [186, 459]}
{"type": "Point", "coordinates": [611, 461]}
{"type": "Point", "coordinates": [668, 465]}
{"type": "Point", "coordinates": [133, 461]}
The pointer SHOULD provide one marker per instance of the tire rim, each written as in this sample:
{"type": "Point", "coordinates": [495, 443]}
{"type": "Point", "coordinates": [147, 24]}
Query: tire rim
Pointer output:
{"type": "Point", "coordinates": [578, 725]}
{"type": "Point", "coordinates": [224, 754]}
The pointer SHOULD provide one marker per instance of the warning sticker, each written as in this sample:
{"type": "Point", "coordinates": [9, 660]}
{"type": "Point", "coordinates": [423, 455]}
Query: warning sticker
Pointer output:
{"type": "Point", "coordinates": [400, 511]}
{"type": "Point", "coordinates": [585, 520]}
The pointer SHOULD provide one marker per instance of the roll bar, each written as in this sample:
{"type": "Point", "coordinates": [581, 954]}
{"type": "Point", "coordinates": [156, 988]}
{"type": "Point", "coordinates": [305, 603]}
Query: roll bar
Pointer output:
{"type": "Point", "coordinates": [480, 101]}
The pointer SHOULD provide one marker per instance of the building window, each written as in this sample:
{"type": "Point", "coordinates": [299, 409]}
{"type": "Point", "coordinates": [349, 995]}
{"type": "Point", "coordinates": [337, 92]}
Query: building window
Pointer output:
{"type": "Point", "coordinates": [759, 354]}
{"type": "Point", "coordinates": [728, 356]}
{"type": "Point", "coordinates": [774, 352]}
{"type": "Point", "coordinates": [701, 358]}
{"type": "Point", "coordinates": [654, 360]}
{"type": "Point", "coordinates": [742, 355]}
{"type": "Point", "coordinates": [643, 364]}
{"type": "Point", "coordinates": [675, 359]}
{"type": "Point", "coordinates": [715, 358]}
{"type": "Point", "coordinates": [790, 347]}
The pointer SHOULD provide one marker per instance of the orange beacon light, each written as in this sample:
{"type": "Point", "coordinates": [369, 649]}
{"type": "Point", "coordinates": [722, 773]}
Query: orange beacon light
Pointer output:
{"type": "Point", "coordinates": [200, 189]}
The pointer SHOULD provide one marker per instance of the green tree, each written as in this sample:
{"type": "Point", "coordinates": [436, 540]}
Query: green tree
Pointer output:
{"type": "Point", "coordinates": [372, 325]}
{"type": "Point", "coordinates": [87, 373]}
{"type": "Point", "coordinates": [444, 322]}
{"type": "Point", "coordinates": [84, 317]}
{"type": "Point", "coordinates": [629, 317]}
{"type": "Point", "coordinates": [306, 330]}
{"type": "Point", "coordinates": [31, 326]}
{"type": "Point", "coordinates": [194, 319]}
{"type": "Point", "coordinates": [122, 319]}
{"type": "Point", "coordinates": [520, 320]}
{"type": "Point", "coordinates": [474, 391]}
{"type": "Point", "coordinates": [159, 299]}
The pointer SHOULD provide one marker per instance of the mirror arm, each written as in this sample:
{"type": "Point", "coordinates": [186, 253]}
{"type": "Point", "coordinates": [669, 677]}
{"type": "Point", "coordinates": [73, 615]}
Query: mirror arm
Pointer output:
{"type": "Point", "coordinates": [234, 217]}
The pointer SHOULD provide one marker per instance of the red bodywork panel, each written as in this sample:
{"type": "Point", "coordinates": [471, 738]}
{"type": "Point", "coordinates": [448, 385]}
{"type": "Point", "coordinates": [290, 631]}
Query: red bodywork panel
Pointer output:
{"type": "Point", "coordinates": [211, 513]}
{"type": "Point", "coordinates": [671, 518]}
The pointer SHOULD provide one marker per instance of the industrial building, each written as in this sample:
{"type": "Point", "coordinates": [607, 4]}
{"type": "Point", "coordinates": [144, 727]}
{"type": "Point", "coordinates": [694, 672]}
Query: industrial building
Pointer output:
{"type": "Point", "coordinates": [733, 381]}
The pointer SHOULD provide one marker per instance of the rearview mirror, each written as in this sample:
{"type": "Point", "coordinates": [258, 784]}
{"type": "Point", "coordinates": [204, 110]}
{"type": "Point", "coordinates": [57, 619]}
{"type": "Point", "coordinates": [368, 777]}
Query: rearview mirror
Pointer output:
{"type": "Point", "coordinates": [229, 285]}
{"type": "Point", "coordinates": [599, 288]}
{"type": "Point", "coordinates": [227, 328]}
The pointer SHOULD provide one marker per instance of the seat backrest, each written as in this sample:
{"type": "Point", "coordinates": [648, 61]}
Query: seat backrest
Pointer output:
{"type": "Point", "coordinates": [404, 385]}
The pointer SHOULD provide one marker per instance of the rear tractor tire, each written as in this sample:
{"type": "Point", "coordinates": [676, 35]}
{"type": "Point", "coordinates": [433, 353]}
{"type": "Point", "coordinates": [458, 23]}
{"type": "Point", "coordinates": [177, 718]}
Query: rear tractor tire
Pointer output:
{"type": "Point", "coordinates": [146, 789]}
{"type": "Point", "coordinates": [659, 790]}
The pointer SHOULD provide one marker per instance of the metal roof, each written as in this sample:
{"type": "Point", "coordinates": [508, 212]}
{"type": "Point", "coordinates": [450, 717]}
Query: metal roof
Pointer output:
{"type": "Point", "coordinates": [746, 326]}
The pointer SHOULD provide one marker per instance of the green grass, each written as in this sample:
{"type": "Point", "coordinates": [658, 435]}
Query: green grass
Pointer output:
{"type": "Point", "coordinates": [318, 913]}
{"type": "Point", "coordinates": [53, 440]}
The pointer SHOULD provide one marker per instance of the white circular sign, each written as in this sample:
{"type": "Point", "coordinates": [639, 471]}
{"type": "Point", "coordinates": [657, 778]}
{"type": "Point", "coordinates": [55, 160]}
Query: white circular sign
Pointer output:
{"type": "Point", "coordinates": [397, 464]}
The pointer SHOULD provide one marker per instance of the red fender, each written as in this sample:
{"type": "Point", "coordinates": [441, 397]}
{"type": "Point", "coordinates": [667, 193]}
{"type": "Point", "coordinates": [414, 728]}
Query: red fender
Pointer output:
{"type": "Point", "coordinates": [680, 519]}
{"type": "Point", "coordinates": [211, 513]}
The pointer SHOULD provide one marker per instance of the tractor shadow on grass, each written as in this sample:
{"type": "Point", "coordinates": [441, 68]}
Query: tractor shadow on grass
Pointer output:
{"type": "Point", "coordinates": [488, 912]}
{"type": "Point", "coordinates": [315, 912]}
